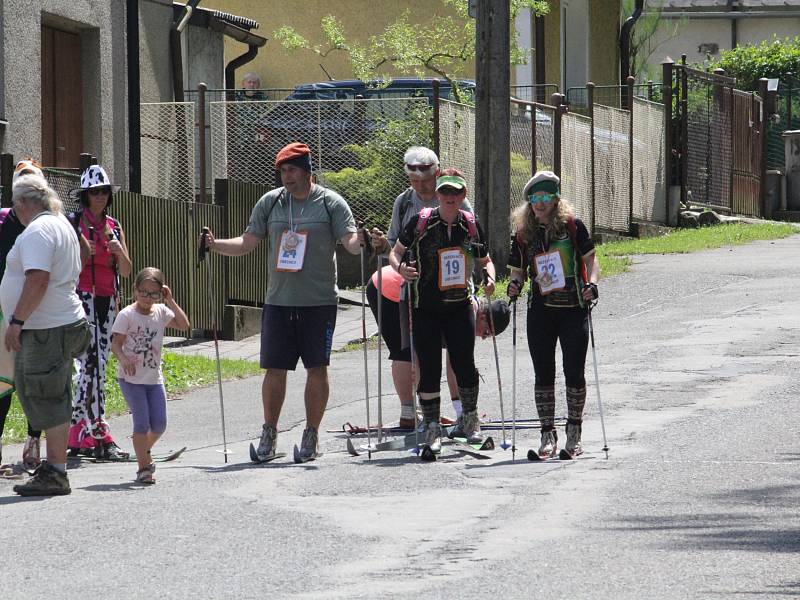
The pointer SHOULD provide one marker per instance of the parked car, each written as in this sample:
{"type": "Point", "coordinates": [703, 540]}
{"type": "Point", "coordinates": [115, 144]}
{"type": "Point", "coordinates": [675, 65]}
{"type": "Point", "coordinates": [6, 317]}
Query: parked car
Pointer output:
{"type": "Point", "coordinates": [331, 115]}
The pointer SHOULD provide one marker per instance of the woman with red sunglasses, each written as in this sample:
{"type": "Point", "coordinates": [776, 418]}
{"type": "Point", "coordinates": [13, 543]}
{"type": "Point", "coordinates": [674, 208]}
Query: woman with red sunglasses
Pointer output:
{"type": "Point", "coordinates": [552, 245]}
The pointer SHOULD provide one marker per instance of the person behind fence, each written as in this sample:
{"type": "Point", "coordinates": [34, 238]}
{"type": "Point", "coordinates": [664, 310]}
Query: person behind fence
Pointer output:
{"type": "Point", "coordinates": [98, 290]}
{"type": "Point", "coordinates": [47, 325]}
{"type": "Point", "coordinates": [251, 84]}
{"type": "Point", "coordinates": [302, 222]}
{"type": "Point", "coordinates": [138, 336]}
{"type": "Point", "coordinates": [10, 229]}
{"type": "Point", "coordinates": [421, 165]}
{"type": "Point", "coordinates": [436, 254]}
{"type": "Point", "coordinates": [552, 245]}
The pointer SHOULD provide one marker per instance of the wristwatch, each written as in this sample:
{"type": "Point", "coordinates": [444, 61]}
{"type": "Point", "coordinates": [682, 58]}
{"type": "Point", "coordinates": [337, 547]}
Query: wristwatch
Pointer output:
{"type": "Point", "coordinates": [15, 321]}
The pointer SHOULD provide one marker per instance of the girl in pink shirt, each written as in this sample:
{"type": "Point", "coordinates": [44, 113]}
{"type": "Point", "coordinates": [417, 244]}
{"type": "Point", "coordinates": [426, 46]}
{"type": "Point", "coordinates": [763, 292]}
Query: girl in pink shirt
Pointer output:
{"type": "Point", "coordinates": [138, 336]}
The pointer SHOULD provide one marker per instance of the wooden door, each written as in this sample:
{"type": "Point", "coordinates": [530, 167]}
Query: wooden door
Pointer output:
{"type": "Point", "coordinates": [62, 99]}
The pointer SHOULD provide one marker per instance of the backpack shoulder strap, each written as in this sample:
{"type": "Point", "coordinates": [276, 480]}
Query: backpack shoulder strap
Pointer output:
{"type": "Point", "coordinates": [572, 231]}
{"type": "Point", "coordinates": [472, 228]}
{"type": "Point", "coordinates": [405, 204]}
{"type": "Point", "coordinates": [424, 217]}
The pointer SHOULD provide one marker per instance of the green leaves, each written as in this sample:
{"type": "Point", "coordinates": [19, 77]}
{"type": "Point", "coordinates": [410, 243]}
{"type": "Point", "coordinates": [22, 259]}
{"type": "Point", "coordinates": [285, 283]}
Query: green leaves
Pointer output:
{"type": "Point", "coordinates": [772, 59]}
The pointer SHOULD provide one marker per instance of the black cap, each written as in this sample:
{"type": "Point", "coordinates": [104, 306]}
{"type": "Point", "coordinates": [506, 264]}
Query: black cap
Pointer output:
{"type": "Point", "coordinates": [501, 315]}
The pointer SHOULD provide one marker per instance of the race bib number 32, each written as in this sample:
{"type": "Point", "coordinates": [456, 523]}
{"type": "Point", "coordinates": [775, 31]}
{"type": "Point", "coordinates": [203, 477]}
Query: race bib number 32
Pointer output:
{"type": "Point", "coordinates": [452, 269]}
{"type": "Point", "coordinates": [550, 272]}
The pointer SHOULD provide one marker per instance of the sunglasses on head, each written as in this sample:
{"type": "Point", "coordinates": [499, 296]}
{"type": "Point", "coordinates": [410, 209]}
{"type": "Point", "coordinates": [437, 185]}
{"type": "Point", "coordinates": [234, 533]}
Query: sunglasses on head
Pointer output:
{"type": "Point", "coordinates": [421, 168]}
{"type": "Point", "coordinates": [546, 198]}
{"type": "Point", "coordinates": [100, 190]}
{"type": "Point", "coordinates": [449, 191]}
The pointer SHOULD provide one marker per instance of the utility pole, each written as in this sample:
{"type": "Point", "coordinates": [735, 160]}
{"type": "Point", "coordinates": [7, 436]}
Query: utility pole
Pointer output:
{"type": "Point", "coordinates": [492, 124]}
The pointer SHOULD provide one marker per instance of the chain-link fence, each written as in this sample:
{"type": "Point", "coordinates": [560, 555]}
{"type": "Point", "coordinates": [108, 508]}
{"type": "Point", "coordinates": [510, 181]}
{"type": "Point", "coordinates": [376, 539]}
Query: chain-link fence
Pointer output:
{"type": "Point", "coordinates": [356, 145]}
{"type": "Point", "coordinates": [707, 144]}
{"type": "Point", "coordinates": [608, 95]}
{"type": "Point", "coordinates": [576, 165]}
{"type": "Point", "coordinates": [649, 187]}
{"type": "Point", "coordinates": [540, 92]}
{"type": "Point", "coordinates": [457, 139]}
{"type": "Point", "coordinates": [168, 150]}
{"type": "Point", "coordinates": [62, 181]}
{"type": "Point", "coordinates": [785, 118]}
{"type": "Point", "coordinates": [612, 168]}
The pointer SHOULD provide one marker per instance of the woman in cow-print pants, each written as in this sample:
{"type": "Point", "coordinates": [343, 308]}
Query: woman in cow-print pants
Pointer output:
{"type": "Point", "coordinates": [98, 288]}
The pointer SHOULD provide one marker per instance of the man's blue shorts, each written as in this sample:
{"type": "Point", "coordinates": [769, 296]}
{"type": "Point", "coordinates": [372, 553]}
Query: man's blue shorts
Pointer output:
{"type": "Point", "coordinates": [289, 333]}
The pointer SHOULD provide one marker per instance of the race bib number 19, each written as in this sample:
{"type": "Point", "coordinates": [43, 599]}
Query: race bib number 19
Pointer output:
{"type": "Point", "coordinates": [452, 269]}
{"type": "Point", "coordinates": [550, 272]}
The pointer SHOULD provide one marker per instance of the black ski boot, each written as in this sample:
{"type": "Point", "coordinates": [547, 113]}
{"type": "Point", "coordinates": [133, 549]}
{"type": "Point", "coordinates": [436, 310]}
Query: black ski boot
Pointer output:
{"type": "Point", "coordinates": [112, 453]}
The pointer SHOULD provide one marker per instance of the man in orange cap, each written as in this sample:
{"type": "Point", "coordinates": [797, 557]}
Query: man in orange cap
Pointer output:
{"type": "Point", "coordinates": [302, 222]}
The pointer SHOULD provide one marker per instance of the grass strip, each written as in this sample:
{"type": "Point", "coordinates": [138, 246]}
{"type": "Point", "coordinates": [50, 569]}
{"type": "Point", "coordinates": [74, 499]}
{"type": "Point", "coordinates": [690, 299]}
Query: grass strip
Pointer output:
{"type": "Point", "coordinates": [181, 373]}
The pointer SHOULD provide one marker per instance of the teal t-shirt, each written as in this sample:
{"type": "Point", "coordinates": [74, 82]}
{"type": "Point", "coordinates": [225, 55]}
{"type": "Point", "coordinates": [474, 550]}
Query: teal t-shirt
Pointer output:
{"type": "Point", "coordinates": [325, 217]}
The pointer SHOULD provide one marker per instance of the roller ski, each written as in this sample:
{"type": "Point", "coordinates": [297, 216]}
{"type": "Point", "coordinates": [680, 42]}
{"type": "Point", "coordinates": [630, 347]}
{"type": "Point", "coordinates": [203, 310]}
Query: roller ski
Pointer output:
{"type": "Point", "coordinates": [431, 446]}
{"type": "Point", "coordinates": [131, 458]}
{"type": "Point", "coordinates": [267, 459]}
{"type": "Point", "coordinates": [309, 447]}
{"type": "Point", "coordinates": [474, 450]}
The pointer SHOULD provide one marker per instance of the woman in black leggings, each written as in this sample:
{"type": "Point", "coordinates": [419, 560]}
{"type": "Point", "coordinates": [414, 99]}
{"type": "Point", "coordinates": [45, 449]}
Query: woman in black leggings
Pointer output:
{"type": "Point", "coordinates": [436, 254]}
{"type": "Point", "coordinates": [554, 247]}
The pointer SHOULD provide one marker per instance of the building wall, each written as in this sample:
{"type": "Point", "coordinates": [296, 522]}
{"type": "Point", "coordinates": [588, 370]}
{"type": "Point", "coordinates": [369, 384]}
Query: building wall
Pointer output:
{"type": "Point", "coordinates": [604, 24]}
{"type": "Point", "coordinates": [603, 49]}
{"type": "Point", "coordinates": [101, 26]}
{"type": "Point", "coordinates": [693, 33]}
{"type": "Point", "coordinates": [279, 68]}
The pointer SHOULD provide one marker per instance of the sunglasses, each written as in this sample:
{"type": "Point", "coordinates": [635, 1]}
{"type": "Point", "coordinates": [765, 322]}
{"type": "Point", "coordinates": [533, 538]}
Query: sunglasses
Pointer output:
{"type": "Point", "coordinates": [96, 191]}
{"type": "Point", "coordinates": [449, 191]}
{"type": "Point", "coordinates": [420, 168]}
{"type": "Point", "coordinates": [546, 198]}
{"type": "Point", "coordinates": [151, 295]}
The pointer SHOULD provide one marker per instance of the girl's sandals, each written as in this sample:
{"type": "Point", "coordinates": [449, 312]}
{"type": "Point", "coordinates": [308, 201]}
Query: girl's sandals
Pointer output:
{"type": "Point", "coordinates": [146, 475]}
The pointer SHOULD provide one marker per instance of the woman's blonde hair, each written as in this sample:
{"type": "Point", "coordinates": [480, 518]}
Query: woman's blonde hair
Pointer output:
{"type": "Point", "coordinates": [526, 225]}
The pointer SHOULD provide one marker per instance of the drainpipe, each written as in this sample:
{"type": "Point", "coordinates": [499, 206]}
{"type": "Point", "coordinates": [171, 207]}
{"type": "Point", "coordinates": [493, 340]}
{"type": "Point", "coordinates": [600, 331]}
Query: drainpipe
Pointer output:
{"type": "Point", "coordinates": [175, 49]}
{"type": "Point", "coordinates": [734, 25]}
{"type": "Point", "coordinates": [625, 42]}
{"type": "Point", "coordinates": [230, 68]}
{"type": "Point", "coordinates": [134, 98]}
{"type": "Point", "coordinates": [539, 57]}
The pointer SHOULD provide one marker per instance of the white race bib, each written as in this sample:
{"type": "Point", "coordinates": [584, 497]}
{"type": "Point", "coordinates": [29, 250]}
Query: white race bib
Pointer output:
{"type": "Point", "coordinates": [452, 268]}
{"type": "Point", "coordinates": [292, 250]}
{"type": "Point", "coordinates": [550, 272]}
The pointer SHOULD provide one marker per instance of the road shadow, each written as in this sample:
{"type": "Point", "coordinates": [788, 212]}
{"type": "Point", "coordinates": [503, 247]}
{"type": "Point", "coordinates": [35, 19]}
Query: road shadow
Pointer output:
{"type": "Point", "coordinates": [115, 487]}
{"type": "Point", "coordinates": [15, 499]}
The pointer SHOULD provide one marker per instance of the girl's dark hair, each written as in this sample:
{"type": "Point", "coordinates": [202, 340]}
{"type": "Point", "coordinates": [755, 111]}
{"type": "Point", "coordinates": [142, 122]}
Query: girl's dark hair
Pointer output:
{"type": "Point", "coordinates": [83, 198]}
{"type": "Point", "coordinates": [452, 172]}
{"type": "Point", "coordinates": [149, 274]}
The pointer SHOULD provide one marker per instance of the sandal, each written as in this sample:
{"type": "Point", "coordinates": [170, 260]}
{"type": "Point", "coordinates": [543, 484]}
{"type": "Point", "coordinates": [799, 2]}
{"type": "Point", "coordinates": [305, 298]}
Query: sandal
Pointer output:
{"type": "Point", "coordinates": [146, 475]}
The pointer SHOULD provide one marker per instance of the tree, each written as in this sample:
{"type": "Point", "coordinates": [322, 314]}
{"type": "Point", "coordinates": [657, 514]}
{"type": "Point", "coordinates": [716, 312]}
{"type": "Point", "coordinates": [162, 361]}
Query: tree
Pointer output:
{"type": "Point", "coordinates": [444, 47]}
{"type": "Point", "coordinates": [650, 31]}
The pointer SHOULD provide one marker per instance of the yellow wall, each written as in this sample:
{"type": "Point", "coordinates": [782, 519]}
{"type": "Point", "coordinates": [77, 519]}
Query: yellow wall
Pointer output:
{"type": "Point", "coordinates": [279, 68]}
{"type": "Point", "coordinates": [604, 22]}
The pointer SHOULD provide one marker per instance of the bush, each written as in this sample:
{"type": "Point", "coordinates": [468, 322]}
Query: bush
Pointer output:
{"type": "Point", "coordinates": [775, 59]}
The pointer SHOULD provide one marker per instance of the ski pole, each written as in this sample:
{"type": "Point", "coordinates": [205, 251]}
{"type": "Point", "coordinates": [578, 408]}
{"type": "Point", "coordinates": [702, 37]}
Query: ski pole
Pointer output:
{"type": "Point", "coordinates": [201, 254]}
{"type": "Point", "coordinates": [98, 449]}
{"type": "Point", "coordinates": [413, 356]}
{"type": "Point", "coordinates": [504, 444]}
{"type": "Point", "coordinates": [597, 384]}
{"type": "Point", "coordinates": [514, 378]}
{"type": "Point", "coordinates": [380, 348]}
{"type": "Point", "coordinates": [364, 339]}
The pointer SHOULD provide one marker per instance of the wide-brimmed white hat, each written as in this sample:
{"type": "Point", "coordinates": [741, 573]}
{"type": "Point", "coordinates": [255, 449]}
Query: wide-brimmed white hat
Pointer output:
{"type": "Point", "coordinates": [93, 177]}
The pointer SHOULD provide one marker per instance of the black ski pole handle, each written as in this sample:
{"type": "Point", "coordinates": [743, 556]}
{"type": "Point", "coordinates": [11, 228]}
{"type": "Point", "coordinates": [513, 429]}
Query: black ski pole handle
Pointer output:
{"type": "Point", "coordinates": [202, 250]}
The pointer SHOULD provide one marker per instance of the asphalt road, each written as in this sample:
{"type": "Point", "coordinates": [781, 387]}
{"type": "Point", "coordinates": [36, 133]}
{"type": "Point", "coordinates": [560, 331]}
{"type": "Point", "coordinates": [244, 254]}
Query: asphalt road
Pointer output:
{"type": "Point", "coordinates": [698, 498]}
